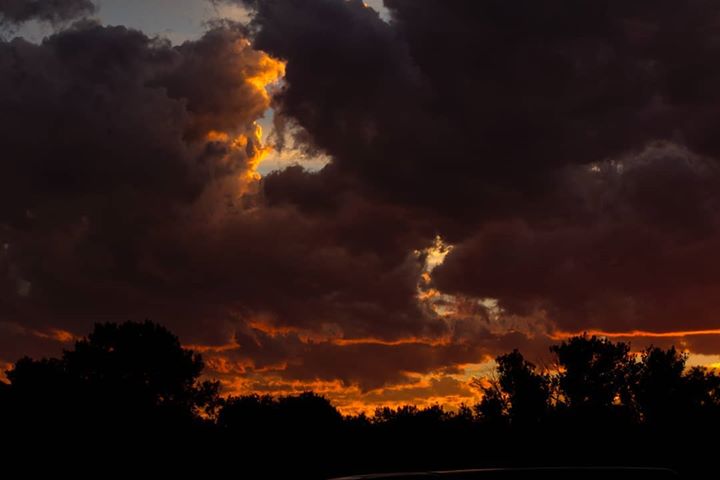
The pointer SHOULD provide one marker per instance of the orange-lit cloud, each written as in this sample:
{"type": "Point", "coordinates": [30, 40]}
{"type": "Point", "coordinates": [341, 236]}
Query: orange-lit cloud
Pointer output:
{"type": "Point", "coordinates": [248, 144]}
{"type": "Point", "coordinates": [264, 73]}
{"type": "Point", "coordinates": [46, 333]}
{"type": "Point", "coordinates": [636, 333]}
{"type": "Point", "coordinates": [449, 391]}
{"type": "Point", "coordinates": [4, 367]}
{"type": "Point", "coordinates": [260, 73]}
{"type": "Point", "coordinates": [58, 335]}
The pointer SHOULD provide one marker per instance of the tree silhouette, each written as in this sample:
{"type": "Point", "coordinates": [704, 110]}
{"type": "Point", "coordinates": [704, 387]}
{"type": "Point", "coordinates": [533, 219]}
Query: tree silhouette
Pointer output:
{"type": "Point", "coordinates": [305, 428]}
{"type": "Point", "coordinates": [660, 388]}
{"type": "Point", "coordinates": [527, 391]}
{"type": "Point", "coordinates": [493, 407]}
{"type": "Point", "coordinates": [140, 363]}
{"type": "Point", "coordinates": [120, 378]}
{"type": "Point", "coordinates": [252, 413]}
{"type": "Point", "coordinates": [131, 391]}
{"type": "Point", "coordinates": [702, 394]}
{"type": "Point", "coordinates": [594, 373]}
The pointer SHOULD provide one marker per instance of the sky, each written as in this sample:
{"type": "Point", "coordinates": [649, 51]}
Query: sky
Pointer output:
{"type": "Point", "coordinates": [369, 200]}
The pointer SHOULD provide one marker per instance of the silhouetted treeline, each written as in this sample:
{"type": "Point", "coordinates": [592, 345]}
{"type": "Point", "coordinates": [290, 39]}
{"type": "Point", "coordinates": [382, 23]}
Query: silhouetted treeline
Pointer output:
{"type": "Point", "coordinates": [129, 396]}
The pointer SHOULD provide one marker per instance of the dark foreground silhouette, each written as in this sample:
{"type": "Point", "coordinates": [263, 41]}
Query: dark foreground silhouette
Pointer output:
{"type": "Point", "coordinates": [557, 473]}
{"type": "Point", "coordinates": [130, 398]}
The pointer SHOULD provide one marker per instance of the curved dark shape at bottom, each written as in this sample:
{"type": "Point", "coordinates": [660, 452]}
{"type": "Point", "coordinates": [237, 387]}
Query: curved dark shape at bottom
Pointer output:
{"type": "Point", "coordinates": [554, 473]}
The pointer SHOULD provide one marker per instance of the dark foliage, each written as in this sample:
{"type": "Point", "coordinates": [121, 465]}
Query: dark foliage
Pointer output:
{"type": "Point", "coordinates": [130, 396]}
{"type": "Point", "coordinates": [121, 393]}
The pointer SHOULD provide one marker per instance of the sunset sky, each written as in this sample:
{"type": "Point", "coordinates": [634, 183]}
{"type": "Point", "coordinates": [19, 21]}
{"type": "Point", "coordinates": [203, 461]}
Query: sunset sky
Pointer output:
{"type": "Point", "coordinates": [366, 200]}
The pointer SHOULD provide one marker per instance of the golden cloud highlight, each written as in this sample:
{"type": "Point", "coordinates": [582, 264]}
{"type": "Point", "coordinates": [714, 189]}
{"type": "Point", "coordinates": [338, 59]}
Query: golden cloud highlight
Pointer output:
{"type": "Point", "coordinates": [636, 333]}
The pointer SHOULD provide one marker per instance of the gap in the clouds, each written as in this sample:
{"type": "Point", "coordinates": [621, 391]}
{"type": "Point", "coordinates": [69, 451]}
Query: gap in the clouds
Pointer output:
{"type": "Point", "coordinates": [480, 314]}
{"type": "Point", "coordinates": [703, 360]}
{"type": "Point", "coordinates": [32, 31]}
{"type": "Point", "coordinates": [175, 20]}
{"type": "Point", "coordinates": [378, 6]}
{"type": "Point", "coordinates": [289, 155]}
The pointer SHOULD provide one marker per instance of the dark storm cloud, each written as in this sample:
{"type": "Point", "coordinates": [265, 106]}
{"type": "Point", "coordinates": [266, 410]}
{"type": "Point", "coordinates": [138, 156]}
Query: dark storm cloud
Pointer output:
{"type": "Point", "coordinates": [474, 104]}
{"type": "Point", "coordinates": [19, 11]}
{"type": "Point", "coordinates": [116, 206]}
{"type": "Point", "coordinates": [101, 159]}
{"type": "Point", "coordinates": [78, 119]}
{"type": "Point", "coordinates": [567, 149]}
{"type": "Point", "coordinates": [304, 275]}
{"type": "Point", "coordinates": [493, 114]}
{"type": "Point", "coordinates": [643, 254]}
{"type": "Point", "coordinates": [97, 111]}
{"type": "Point", "coordinates": [215, 76]}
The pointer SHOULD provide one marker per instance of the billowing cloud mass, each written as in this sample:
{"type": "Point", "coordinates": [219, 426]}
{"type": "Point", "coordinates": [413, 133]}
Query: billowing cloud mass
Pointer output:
{"type": "Point", "coordinates": [500, 175]}
{"type": "Point", "coordinates": [19, 11]}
